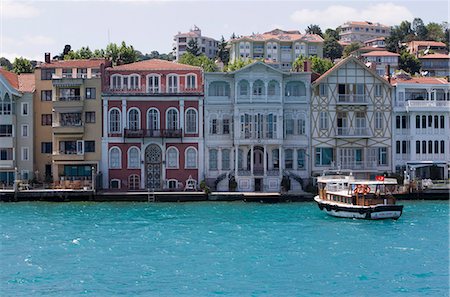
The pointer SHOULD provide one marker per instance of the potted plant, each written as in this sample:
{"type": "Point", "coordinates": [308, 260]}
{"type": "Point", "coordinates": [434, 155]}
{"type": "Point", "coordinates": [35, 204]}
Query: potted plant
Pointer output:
{"type": "Point", "coordinates": [232, 184]}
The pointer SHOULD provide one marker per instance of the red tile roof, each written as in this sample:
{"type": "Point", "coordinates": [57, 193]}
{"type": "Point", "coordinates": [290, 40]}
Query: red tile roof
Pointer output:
{"type": "Point", "coordinates": [87, 63]}
{"type": "Point", "coordinates": [419, 80]}
{"type": "Point", "coordinates": [11, 78]}
{"type": "Point", "coordinates": [374, 39]}
{"type": "Point", "coordinates": [282, 35]}
{"type": "Point", "coordinates": [27, 82]}
{"type": "Point", "coordinates": [426, 43]}
{"type": "Point", "coordinates": [380, 54]}
{"type": "Point", "coordinates": [435, 56]}
{"type": "Point", "coordinates": [365, 23]}
{"type": "Point", "coordinates": [154, 64]}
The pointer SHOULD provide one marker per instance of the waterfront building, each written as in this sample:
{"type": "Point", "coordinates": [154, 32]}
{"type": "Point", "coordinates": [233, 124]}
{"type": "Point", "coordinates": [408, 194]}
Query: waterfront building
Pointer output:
{"type": "Point", "coordinates": [421, 123]}
{"type": "Point", "coordinates": [381, 59]}
{"type": "Point", "coordinates": [355, 31]}
{"type": "Point", "coordinates": [207, 45]}
{"type": "Point", "coordinates": [422, 47]}
{"type": "Point", "coordinates": [152, 126]}
{"type": "Point", "coordinates": [351, 120]}
{"type": "Point", "coordinates": [378, 42]}
{"type": "Point", "coordinates": [435, 64]}
{"type": "Point", "coordinates": [278, 48]}
{"type": "Point", "coordinates": [67, 121]}
{"type": "Point", "coordinates": [256, 128]}
{"type": "Point", "coordinates": [16, 127]}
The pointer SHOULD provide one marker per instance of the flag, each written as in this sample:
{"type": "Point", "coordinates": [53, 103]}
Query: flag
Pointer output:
{"type": "Point", "coordinates": [379, 177]}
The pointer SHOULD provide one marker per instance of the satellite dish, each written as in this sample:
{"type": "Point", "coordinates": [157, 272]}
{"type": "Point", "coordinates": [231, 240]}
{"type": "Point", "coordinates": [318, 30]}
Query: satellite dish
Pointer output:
{"type": "Point", "coordinates": [424, 73]}
{"type": "Point", "coordinates": [426, 51]}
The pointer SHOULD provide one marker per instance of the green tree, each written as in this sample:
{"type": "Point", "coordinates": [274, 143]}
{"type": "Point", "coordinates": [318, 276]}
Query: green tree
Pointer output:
{"type": "Point", "coordinates": [199, 61]}
{"type": "Point", "coordinates": [332, 48]}
{"type": "Point", "coordinates": [419, 29]}
{"type": "Point", "coordinates": [99, 53]}
{"type": "Point", "coordinates": [22, 65]}
{"type": "Point", "coordinates": [6, 64]}
{"type": "Point", "coordinates": [127, 54]}
{"type": "Point", "coordinates": [237, 64]}
{"type": "Point", "coordinates": [435, 32]}
{"type": "Point", "coordinates": [193, 48]}
{"type": "Point", "coordinates": [314, 29]}
{"type": "Point", "coordinates": [223, 53]}
{"type": "Point", "coordinates": [330, 33]}
{"type": "Point", "coordinates": [351, 48]}
{"type": "Point", "coordinates": [409, 63]}
{"type": "Point", "coordinates": [318, 65]}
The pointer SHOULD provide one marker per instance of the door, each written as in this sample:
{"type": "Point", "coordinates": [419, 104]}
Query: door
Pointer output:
{"type": "Point", "coordinates": [153, 166]}
{"type": "Point", "coordinates": [258, 184]}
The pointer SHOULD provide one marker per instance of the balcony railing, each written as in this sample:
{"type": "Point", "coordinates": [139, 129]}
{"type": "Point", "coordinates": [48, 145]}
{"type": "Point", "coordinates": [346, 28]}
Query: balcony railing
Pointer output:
{"type": "Point", "coordinates": [355, 132]}
{"type": "Point", "coordinates": [352, 98]}
{"type": "Point", "coordinates": [153, 133]}
{"type": "Point", "coordinates": [155, 91]}
{"type": "Point", "coordinates": [356, 165]}
{"type": "Point", "coordinates": [68, 98]}
{"type": "Point", "coordinates": [427, 103]}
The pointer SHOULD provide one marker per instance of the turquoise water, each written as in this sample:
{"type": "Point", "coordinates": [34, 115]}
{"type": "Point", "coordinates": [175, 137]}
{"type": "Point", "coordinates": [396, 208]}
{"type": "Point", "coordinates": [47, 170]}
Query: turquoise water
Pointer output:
{"type": "Point", "coordinates": [225, 249]}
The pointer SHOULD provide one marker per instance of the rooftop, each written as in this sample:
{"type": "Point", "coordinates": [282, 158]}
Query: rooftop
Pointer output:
{"type": "Point", "coordinates": [380, 54]}
{"type": "Point", "coordinates": [11, 77]}
{"type": "Point", "coordinates": [365, 23]}
{"type": "Point", "coordinates": [426, 43]}
{"type": "Point", "coordinates": [435, 56]}
{"type": "Point", "coordinates": [86, 63]}
{"type": "Point", "coordinates": [27, 82]}
{"type": "Point", "coordinates": [154, 64]}
{"type": "Point", "coordinates": [282, 35]}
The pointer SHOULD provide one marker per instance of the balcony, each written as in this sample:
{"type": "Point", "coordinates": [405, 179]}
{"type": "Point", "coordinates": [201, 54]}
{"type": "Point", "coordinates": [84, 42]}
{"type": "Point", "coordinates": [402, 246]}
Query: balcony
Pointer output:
{"type": "Point", "coordinates": [6, 163]}
{"type": "Point", "coordinates": [154, 91]}
{"type": "Point", "coordinates": [66, 81]}
{"type": "Point", "coordinates": [68, 101]}
{"type": "Point", "coordinates": [352, 99]}
{"type": "Point", "coordinates": [424, 105]}
{"type": "Point", "coordinates": [153, 133]}
{"type": "Point", "coordinates": [64, 128]}
{"type": "Point", "coordinates": [67, 156]}
{"type": "Point", "coordinates": [357, 165]}
{"type": "Point", "coordinates": [352, 132]}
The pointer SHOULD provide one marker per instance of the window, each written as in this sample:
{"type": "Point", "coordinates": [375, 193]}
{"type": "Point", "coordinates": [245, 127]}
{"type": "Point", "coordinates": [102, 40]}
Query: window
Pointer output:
{"type": "Point", "coordinates": [323, 90]}
{"type": "Point", "coordinates": [46, 95]}
{"type": "Point", "coordinates": [90, 116]}
{"type": "Point", "coordinates": [417, 122]}
{"type": "Point", "coordinates": [225, 159]}
{"type": "Point", "coordinates": [219, 88]}
{"type": "Point", "coordinates": [191, 158]}
{"type": "Point", "coordinates": [424, 122]}
{"type": "Point", "coordinates": [424, 147]}
{"type": "Point", "coordinates": [172, 184]}
{"type": "Point", "coordinates": [442, 125]}
{"type": "Point", "coordinates": [82, 73]}
{"type": "Point", "coordinates": [134, 82]}
{"type": "Point", "coordinates": [397, 147]}
{"type": "Point", "coordinates": [212, 159]}
{"type": "Point", "coordinates": [172, 158]}
{"type": "Point", "coordinates": [6, 131]}
{"type": "Point", "coordinates": [295, 89]}
{"type": "Point", "coordinates": [417, 147]}
{"type": "Point", "coordinates": [46, 147]}
{"type": "Point", "coordinates": [172, 119]}
{"type": "Point", "coordinates": [243, 88]}
{"type": "Point", "coordinates": [116, 82]}
{"type": "Point", "coordinates": [133, 157]}
{"type": "Point", "coordinates": [6, 105]}
{"type": "Point", "coordinates": [134, 119]}
{"type": "Point", "coordinates": [95, 72]}
{"type": "Point", "coordinates": [382, 156]}
{"type": "Point", "coordinates": [272, 88]}
{"type": "Point", "coordinates": [90, 93]}
{"type": "Point", "coordinates": [378, 120]}
{"type": "Point", "coordinates": [288, 159]}
{"type": "Point", "coordinates": [213, 126]}
{"type": "Point", "coordinates": [153, 119]}
{"type": "Point", "coordinates": [323, 122]}
{"type": "Point", "coordinates": [46, 120]}
{"type": "Point", "coordinates": [301, 158]}
{"type": "Point", "coordinates": [324, 156]}
{"type": "Point", "coordinates": [153, 84]}
{"type": "Point", "coordinates": [430, 146]}
{"type": "Point", "coordinates": [133, 182]}
{"type": "Point", "coordinates": [436, 147]}
{"type": "Point", "coordinates": [115, 157]}
{"type": "Point", "coordinates": [289, 123]}
{"type": "Point", "coordinates": [114, 184]}
{"type": "Point", "coordinates": [191, 121]}
{"type": "Point", "coordinates": [172, 84]}
{"type": "Point", "coordinates": [191, 82]}
{"type": "Point", "coordinates": [301, 126]}
{"type": "Point", "coordinates": [226, 126]}
{"type": "Point", "coordinates": [378, 90]}
{"type": "Point", "coordinates": [24, 131]}
{"type": "Point", "coordinates": [114, 121]}
{"type": "Point", "coordinates": [25, 154]}
{"type": "Point", "coordinates": [6, 154]}
{"type": "Point", "coordinates": [442, 147]}
{"type": "Point", "coordinates": [25, 174]}
{"type": "Point", "coordinates": [436, 122]}
{"type": "Point", "coordinates": [258, 88]}
{"type": "Point", "coordinates": [271, 126]}
{"type": "Point", "coordinates": [24, 109]}
{"type": "Point", "coordinates": [276, 159]}
{"type": "Point", "coordinates": [46, 74]}
{"type": "Point", "coordinates": [89, 146]}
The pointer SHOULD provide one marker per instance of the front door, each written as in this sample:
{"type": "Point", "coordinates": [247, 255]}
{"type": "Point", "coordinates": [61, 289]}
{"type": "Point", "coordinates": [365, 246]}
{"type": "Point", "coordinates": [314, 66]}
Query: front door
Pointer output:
{"type": "Point", "coordinates": [258, 184]}
{"type": "Point", "coordinates": [153, 166]}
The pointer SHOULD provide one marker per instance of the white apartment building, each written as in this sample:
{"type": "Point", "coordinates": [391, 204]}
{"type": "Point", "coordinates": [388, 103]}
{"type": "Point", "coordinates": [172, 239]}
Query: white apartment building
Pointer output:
{"type": "Point", "coordinates": [355, 31]}
{"type": "Point", "coordinates": [351, 120]}
{"type": "Point", "coordinates": [256, 128]}
{"type": "Point", "coordinates": [16, 127]}
{"type": "Point", "coordinates": [207, 45]}
{"type": "Point", "coordinates": [421, 125]}
{"type": "Point", "coordinates": [277, 47]}
{"type": "Point", "coordinates": [381, 59]}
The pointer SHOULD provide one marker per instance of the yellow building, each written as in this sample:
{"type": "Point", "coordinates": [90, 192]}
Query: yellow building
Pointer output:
{"type": "Point", "coordinates": [68, 121]}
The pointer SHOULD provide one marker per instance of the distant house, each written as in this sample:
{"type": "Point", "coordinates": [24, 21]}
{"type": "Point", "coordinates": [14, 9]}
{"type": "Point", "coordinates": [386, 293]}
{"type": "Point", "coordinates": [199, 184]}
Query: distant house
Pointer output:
{"type": "Point", "coordinates": [420, 48]}
{"type": "Point", "coordinates": [378, 42]}
{"type": "Point", "coordinates": [354, 31]}
{"type": "Point", "coordinates": [381, 59]}
{"type": "Point", "coordinates": [435, 64]}
{"type": "Point", "coordinates": [207, 45]}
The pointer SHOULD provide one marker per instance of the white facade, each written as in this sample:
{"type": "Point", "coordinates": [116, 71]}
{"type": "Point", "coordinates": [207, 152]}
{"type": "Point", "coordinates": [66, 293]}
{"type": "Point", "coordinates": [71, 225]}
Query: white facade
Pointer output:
{"type": "Point", "coordinates": [207, 45]}
{"type": "Point", "coordinates": [256, 128]}
{"type": "Point", "coordinates": [421, 123]}
{"type": "Point", "coordinates": [362, 31]}
{"type": "Point", "coordinates": [351, 120]}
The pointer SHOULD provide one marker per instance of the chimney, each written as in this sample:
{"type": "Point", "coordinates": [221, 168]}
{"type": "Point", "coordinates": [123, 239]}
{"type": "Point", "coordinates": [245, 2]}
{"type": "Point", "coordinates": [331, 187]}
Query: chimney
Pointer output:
{"type": "Point", "coordinates": [388, 72]}
{"type": "Point", "coordinates": [307, 66]}
{"type": "Point", "coordinates": [47, 57]}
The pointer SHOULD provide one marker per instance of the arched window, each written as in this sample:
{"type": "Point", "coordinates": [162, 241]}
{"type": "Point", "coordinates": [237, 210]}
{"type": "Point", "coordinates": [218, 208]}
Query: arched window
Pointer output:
{"type": "Point", "coordinates": [135, 83]}
{"type": "Point", "coordinates": [258, 88]}
{"type": "Point", "coordinates": [225, 159]}
{"type": "Point", "coordinates": [153, 84]}
{"type": "Point", "coordinates": [115, 158]}
{"type": "Point", "coordinates": [191, 82]}
{"type": "Point", "coordinates": [288, 159]}
{"type": "Point", "coordinates": [116, 82]}
{"type": "Point", "coordinates": [172, 119]}
{"type": "Point", "coordinates": [133, 157]}
{"type": "Point", "coordinates": [191, 120]}
{"type": "Point", "coordinates": [244, 87]}
{"type": "Point", "coordinates": [212, 159]}
{"type": "Point", "coordinates": [115, 121]}
{"type": "Point", "coordinates": [172, 158]}
{"type": "Point", "coordinates": [133, 182]}
{"type": "Point", "coordinates": [295, 89]}
{"type": "Point", "coordinates": [172, 184]}
{"type": "Point", "coordinates": [191, 157]}
{"type": "Point", "coordinates": [153, 119]}
{"type": "Point", "coordinates": [219, 88]}
{"type": "Point", "coordinates": [172, 83]}
{"type": "Point", "coordinates": [134, 119]}
{"type": "Point", "coordinates": [273, 89]}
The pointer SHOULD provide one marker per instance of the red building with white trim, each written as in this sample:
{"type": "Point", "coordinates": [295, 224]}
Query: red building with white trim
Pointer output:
{"type": "Point", "coordinates": [152, 125]}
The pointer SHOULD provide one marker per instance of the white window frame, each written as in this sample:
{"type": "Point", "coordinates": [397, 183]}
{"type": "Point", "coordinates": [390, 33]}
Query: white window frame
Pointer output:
{"type": "Point", "coordinates": [138, 127]}
{"type": "Point", "coordinates": [378, 120]}
{"type": "Point", "coordinates": [187, 164]}
{"type": "Point", "coordinates": [119, 183]}
{"type": "Point", "coordinates": [155, 79]}
{"type": "Point", "coordinates": [134, 82]}
{"type": "Point", "coordinates": [25, 156]}
{"type": "Point", "coordinates": [215, 168]}
{"type": "Point", "coordinates": [170, 83]}
{"type": "Point", "coordinates": [135, 177]}
{"type": "Point", "coordinates": [177, 124]}
{"type": "Point", "coordinates": [119, 79]}
{"type": "Point", "coordinates": [119, 163]}
{"type": "Point", "coordinates": [27, 129]}
{"type": "Point", "coordinates": [172, 164]}
{"type": "Point", "coordinates": [156, 121]}
{"type": "Point", "coordinates": [119, 123]}
{"type": "Point", "coordinates": [224, 159]}
{"type": "Point", "coordinates": [137, 163]}
{"type": "Point", "coordinates": [186, 118]}
{"type": "Point", "coordinates": [323, 120]}
{"type": "Point", "coordinates": [188, 82]}
{"type": "Point", "coordinates": [22, 105]}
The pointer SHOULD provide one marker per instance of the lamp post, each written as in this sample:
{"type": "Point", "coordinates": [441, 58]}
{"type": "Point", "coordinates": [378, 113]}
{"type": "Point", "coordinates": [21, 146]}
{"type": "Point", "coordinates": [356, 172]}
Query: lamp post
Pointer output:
{"type": "Point", "coordinates": [93, 178]}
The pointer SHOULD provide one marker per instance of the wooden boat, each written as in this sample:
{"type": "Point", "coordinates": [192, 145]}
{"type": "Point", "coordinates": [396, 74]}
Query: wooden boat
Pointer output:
{"type": "Point", "coordinates": [346, 197]}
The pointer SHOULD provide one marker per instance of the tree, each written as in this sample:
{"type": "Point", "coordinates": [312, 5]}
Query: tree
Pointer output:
{"type": "Point", "coordinates": [193, 48]}
{"type": "Point", "coordinates": [409, 63]}
{"type": "Point", "coordinates": [330, 33]}
{"type": "Point", "coordinates": [419, 29]}
{"type": "Point", "coordinates": [435, 32]}
{"type": "Point", "coordinates": [112, 52]}
{"type": "Point", "coordinates": [233, 36]}
{"type": "Point", "coordinates": [22, 65]}
{"type": "Point", "coordinates": [237, 64]}
{"type": "Point", "coordinates": [332, 48]}
{"type": "Point", "coordinates": [318, 65]}
{"type": "Point", "coordinates": [199, 61]}
{"type": "Point", "coordinates": [351, 48]}
{"type": "Point", "coordinates": [314, 29]}
{"type": "Point", "coordinates": [127, 54]}
{"type": "Point", "coordinates": [6, 64]}
{"type": "Point", "coordinates": [223, 53]}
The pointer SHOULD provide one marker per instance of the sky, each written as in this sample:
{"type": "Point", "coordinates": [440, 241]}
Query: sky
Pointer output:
{"type": "Point", "coordinates": [31, 28]}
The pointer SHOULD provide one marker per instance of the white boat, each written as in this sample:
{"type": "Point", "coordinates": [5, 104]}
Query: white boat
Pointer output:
{"type": "Point", "coordinates": [346, 197]}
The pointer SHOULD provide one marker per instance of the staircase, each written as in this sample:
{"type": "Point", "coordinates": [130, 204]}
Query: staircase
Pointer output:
{"type": "Point", "coordinates": [219, 179]}
{"type": "Point", "coordinates": [295, 177]}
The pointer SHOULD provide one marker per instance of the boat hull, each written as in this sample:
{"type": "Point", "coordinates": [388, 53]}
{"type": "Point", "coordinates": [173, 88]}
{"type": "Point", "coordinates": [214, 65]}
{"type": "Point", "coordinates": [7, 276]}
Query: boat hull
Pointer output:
{"type": "Point", "coordinates": [373, 212]}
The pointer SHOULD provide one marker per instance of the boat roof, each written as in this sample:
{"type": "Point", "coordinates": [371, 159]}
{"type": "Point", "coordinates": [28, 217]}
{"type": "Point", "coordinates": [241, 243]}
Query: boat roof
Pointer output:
{"type": "Point", "coordinates": [386, 181]}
